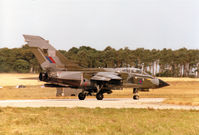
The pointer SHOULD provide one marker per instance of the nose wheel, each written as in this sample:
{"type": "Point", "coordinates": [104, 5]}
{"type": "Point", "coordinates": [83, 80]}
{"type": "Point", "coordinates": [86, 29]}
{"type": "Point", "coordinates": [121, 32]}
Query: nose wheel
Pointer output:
{"type": "Point", "coordinates": [136, 97]}
{"type": "Point", "coordinates": [135, 94]}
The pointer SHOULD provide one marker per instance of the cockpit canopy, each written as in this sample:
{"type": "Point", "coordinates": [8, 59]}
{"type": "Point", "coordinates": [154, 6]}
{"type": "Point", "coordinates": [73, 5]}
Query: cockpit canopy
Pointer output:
{"type": "Point", "coordinates": [131, 70]}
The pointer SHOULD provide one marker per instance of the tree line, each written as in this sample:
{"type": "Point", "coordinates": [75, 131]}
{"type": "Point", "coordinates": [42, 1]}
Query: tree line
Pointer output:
{"type": "Point", "coordinates": [165, 62]}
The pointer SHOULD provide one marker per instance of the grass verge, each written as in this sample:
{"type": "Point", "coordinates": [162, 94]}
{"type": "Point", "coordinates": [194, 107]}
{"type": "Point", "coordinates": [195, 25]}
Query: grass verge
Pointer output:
{"type": "Point", "coordinates": [83, 121]}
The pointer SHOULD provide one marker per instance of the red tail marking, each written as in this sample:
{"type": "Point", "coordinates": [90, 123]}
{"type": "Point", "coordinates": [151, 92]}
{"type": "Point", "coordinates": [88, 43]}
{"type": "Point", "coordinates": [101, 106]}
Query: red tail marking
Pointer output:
{"type": "Point", "coordinates": [51, 59]}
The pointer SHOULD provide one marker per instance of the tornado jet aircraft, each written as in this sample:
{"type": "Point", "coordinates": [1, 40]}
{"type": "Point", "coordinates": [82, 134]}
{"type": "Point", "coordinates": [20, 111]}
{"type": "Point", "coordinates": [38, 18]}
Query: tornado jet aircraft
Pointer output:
{"type": "Point", "coordinates": [60, 72]}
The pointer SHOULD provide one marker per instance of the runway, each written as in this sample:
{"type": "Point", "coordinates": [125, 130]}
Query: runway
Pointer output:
{"type": "Point", "coordinates": [153, 103]}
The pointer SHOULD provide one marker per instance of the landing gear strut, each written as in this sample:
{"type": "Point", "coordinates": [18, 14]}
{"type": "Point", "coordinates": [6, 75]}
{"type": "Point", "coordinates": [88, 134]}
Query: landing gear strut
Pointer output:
{"type": "Point", "coordinates": [82, 96]}
{"type": "Point", "coordinates": [135, 94]}
{"type": "Point", "coordinates": [99, 95]}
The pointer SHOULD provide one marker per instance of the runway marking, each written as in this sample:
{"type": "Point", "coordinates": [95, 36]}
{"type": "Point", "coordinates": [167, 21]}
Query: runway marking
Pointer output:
{"type": "Point", "coordinates": [153, 103]}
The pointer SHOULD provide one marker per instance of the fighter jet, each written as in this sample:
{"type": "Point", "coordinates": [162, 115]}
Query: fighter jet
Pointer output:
{"type": "Point", "coordinates": [60, 72]}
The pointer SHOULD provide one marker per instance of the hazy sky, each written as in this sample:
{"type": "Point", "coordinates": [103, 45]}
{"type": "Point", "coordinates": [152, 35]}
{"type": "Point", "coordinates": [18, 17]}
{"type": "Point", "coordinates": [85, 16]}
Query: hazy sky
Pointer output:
{"type": "Point", "coordinates": [99, 23]}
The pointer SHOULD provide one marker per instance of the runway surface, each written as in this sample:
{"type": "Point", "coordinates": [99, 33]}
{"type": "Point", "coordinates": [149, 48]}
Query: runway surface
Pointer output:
{"type": "Point", "coordinates": [155, 103]}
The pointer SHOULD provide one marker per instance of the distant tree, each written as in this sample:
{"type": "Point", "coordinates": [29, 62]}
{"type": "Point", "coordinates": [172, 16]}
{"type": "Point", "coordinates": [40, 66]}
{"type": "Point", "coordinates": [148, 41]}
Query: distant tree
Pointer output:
{"type": "Point", "coordinates": [21, 66]}
{"type": "Point", "coordinates": [169, 62]}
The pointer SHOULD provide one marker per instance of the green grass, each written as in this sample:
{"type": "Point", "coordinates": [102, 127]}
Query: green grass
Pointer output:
{"type": "Point", "coordinates": [82, 121]}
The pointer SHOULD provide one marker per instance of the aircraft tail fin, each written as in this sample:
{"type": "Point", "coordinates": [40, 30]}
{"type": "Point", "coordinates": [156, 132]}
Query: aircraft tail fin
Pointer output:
{"type": "Point", "coordinates": [47, 55]}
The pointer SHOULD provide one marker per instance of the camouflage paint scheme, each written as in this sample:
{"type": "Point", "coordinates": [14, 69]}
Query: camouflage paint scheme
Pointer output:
{"type": "Point", "coordinates": [58, 72]}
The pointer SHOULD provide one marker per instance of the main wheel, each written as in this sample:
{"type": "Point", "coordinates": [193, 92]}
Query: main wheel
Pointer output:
{"type": "Point", "coordinates": [99, 96]}
{"type": "Point", "coordinates": [81, 96]}
{"type": "Point", "coordinates": [136, 97]}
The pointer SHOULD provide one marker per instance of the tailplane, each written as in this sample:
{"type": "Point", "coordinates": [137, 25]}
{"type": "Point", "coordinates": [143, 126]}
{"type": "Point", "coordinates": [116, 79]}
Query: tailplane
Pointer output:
{"type": "Point", "coordinates": [48, 57]}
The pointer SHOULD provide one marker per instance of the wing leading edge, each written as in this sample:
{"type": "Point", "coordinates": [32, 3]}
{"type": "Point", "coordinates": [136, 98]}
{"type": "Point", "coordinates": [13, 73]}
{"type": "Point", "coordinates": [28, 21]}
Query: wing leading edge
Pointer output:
{"type": "Point", "coordinates": [106, 76]}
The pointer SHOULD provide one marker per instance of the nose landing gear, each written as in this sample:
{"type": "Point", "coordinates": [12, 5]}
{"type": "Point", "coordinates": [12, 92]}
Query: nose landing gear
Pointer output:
{"type": "Point", "coordinates": [135, 94]}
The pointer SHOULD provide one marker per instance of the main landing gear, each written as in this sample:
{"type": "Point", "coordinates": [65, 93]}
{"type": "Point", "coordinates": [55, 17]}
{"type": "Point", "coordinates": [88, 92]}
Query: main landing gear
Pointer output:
{"type": "Point", "coordinates": [99, 93]}
{"type": "Point", "coordinates": [135, 94]}
{"type": "Point", "coordinates": [81, 96]}
{"type": "Point", "coordinates": [99, 96]}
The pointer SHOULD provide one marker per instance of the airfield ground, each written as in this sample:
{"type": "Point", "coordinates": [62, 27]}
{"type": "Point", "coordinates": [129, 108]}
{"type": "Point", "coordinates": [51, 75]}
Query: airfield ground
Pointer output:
{"type": "Point", "coordinates": [183, 91]}
{"type": "Point", "coordinates": [80, 121]}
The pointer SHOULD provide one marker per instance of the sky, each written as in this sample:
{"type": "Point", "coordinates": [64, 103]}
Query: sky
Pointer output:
{"type": "Point", "coordinates": [100, 23]}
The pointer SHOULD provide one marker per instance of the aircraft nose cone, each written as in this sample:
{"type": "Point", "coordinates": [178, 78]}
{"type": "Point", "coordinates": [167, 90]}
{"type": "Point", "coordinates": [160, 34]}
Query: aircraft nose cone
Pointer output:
{"type": "Point", "coordinates": [162, 83]}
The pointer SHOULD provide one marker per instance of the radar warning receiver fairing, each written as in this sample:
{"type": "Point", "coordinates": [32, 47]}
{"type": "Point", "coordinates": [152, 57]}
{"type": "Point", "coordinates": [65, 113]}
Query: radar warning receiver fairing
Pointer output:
{"type": "Point", "coordinates": [60, 72]}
